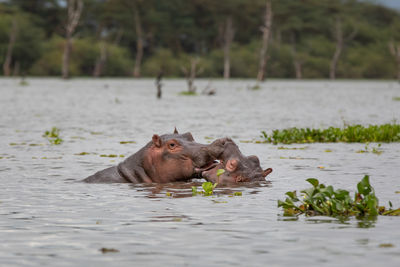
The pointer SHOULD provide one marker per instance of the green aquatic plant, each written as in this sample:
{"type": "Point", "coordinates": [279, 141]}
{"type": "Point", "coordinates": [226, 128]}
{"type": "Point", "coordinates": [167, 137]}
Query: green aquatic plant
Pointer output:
{"type": "Point", "coordinates": [348, 134]}
{"type": "Point", "coordinates": [23, 82]}
{"type": "Point", "coordinates": [374, 150]}
{"type": "Point", "coordinates": [396, 98]}
{"type": "Point", "coordinates": [53, 136]}
{"type": "Point", "coordinates": [208, 187]}
{"type": "Point", "coordinates": [324, 200]}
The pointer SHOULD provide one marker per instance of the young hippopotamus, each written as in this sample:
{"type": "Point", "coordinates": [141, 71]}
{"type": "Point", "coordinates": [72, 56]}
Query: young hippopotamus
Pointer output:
{"type": "Point", "coordinates": [237, 167]}
{"type": "Point", "coordinates": [167, 158]}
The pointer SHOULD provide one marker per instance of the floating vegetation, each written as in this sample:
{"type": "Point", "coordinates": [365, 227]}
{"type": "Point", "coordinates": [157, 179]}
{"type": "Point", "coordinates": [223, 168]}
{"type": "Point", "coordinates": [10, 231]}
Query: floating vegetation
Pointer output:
{"type": "Point", "coordinates": [53, 136]}
{"type": "Point", "coordinates": [82, 154]}
{"type": "Point", "coordinates": [328, 150]}
{"type": "Point", "coordinates": [127, 142]}
{"type": "Point", "coordinates": [96, 133]}
{"type": "Point", "coordinates": [386, 245]}
{"type": "Point", "coordinates": [187, 93]}
{"type": "Point", "coordinates": [43, 144]}
{"type": "Point", "coordinates": [78, 137]}
{"type": "Point", "coordinates": [254, 87]}
{"type": "Point", "coordinates": [219, 201]}
{"type": "Point", "coordinates": [208, 188]}
{"type": "Point", "coordinates": [324, 200]}
{"type": "Point", "coordinates": [47, 158]}
{"type": "Point", "coordinates": [374, 150]}
{"type": "Point", "coordinates": [108, 250]}
{"type": "Point", "coordinates": [396, 98]}
{"type": "Point", "coordinates": [349, 134]}
{"type": "Point", "coordinates": [111, 156]}
{"type": "Point", "coordinates": [17, 144]}
{"type": "Point", "coordinates": [292, 148]}
{"type": "Point", "coordinates": [23, 82]}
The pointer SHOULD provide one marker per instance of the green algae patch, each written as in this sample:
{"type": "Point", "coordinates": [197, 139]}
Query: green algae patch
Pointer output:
{"type": "Point", "coordinates": [17, 144]}
{"type": "Point", "coordinates": [396, 98]}
{"type": "Point", "coordinates": [326, 201]}
{"type": "Point", "coordinates": [111, 156]}
{"type": "Point", "coordinates": [292, 148]}
{"type": "Point", "coordinates": [349, 134]}
{"type": "Point", "coordinates": [82, 154]}
{"type": "Point", "coordinates": [386, 245]}
{"type": "Point", "coordinates": [127, 142]}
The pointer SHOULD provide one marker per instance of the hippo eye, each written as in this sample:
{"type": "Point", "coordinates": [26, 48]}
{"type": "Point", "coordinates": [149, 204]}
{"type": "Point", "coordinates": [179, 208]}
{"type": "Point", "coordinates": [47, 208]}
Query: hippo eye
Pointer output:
{"type": "Point", "coordinates": [171, 145]}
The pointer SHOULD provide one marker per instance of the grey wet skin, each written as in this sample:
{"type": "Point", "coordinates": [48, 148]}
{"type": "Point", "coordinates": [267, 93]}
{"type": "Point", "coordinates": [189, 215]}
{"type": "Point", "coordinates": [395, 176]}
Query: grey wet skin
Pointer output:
{"type": "Point", "coordinates": [237, 167]}
{"type": "Point", "coordinates": [167, 158]}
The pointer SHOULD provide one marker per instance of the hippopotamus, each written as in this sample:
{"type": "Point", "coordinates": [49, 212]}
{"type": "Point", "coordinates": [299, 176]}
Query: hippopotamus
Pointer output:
{"type": "Point", "coordinates": [166, 158]}
{"type": "Point", "coordinates": [237, 167]}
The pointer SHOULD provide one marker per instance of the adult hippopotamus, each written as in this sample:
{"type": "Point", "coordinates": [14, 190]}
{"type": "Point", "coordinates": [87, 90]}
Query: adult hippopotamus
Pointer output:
{"type": "Point", "coordinates": [166, 158]}
{"type": "Point", "coordinates": [237, 167]}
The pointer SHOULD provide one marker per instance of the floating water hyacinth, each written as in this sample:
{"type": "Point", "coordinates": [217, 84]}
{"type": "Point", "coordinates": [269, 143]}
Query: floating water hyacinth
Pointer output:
{"type": "Point", "coordinates": [348, 134]}
{"type": "Point", "coordinates": [324, 200]}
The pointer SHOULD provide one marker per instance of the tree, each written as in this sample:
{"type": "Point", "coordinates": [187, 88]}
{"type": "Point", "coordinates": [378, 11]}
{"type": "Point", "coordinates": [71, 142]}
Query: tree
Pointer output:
{"type": "Point", "coordinates": [228, 38]}
{"type": "Point", "coordinates": [340, 44]}
{"type": "Point", "coordinates": [266, 29]}
{"type": "Point", "coordinates": [13, 37]}
{"type": "Point", "coordinates": [74, 9]}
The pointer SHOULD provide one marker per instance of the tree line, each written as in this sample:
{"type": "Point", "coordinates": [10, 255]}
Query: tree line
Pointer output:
{"type": "Point", "coordinates": [259, 39]}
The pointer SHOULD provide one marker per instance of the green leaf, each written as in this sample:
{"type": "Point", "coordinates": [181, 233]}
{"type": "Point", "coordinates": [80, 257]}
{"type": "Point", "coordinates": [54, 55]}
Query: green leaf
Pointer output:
{"type": "Point", "coordinates": [220, 172]}
{"type": "Point", "coordinates": [313, 181]}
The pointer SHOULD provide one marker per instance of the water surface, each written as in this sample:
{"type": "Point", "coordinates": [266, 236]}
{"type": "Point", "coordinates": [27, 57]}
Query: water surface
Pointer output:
{"type": "Point", "coordinates": [48, 217]}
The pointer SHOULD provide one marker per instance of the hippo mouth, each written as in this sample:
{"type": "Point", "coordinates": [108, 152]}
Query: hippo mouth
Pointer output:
{"type": "Point", "coordinates": [207, 167]}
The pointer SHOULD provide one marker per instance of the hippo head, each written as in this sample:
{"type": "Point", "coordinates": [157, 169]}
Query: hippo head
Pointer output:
{"type": "Point", "coordinates": [174, 157]}
{"type": "Point", "coordinates": [236, 166]}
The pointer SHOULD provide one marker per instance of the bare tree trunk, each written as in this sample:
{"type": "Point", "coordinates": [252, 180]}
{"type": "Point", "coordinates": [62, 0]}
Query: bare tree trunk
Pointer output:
{"type": "Point", "coordinates": [265, 40]}
{"type": "Point", "coordinates": [11, 43]}
{"type": "Point", "coordinates": [339, 48]}
{"type": "Point", "coordinates": [297, 63]}
{"type": "Point", "coordinates": [228, 38]}
{"type": "Point", "coordinates": [340, 43]}
{"type": "Point", "coordinates": [101, 61]}
{"type": "Point", "coordinates": [75, 8]}
{"type": "Point", "coordinates": [159, 84]}
{"type": "Point", "coordinates": [139, 44]}
{"type": "Point", "coordinates": [191, 74]}
{"type": "Point", "coordinates": [395, 51]}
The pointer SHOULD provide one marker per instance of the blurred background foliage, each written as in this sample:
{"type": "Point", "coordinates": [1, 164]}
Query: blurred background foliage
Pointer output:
{"type": "Point", "coordinates": [175, 31]}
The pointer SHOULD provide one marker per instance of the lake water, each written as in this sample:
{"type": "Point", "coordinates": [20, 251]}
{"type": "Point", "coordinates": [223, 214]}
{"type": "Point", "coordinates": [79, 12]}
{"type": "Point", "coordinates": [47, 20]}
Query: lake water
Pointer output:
{"type": "Point", "coordinates": [49, 218]}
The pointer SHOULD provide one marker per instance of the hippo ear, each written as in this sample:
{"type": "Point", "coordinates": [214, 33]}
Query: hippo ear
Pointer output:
{"type": "Point", "coordinates": [188, 136]}
{"type": "Point", "coordinates": [266, 172]}
{"type": "Point", "coordinates": [156, 140]}
{"type": "Point", "coordinates": [175, 131]}
{"type": "Point", "coordinates": [254, 159]}
{"type": "Point", "coordinates": [231, 165]}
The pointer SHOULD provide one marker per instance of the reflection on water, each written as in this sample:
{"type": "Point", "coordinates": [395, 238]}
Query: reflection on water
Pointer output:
{"type": "Point", "coordinates": [184, 189]}
{"type": "Point", "coordinates": [48, 217]}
